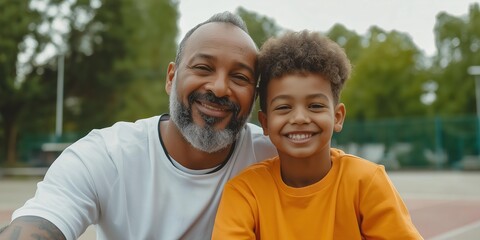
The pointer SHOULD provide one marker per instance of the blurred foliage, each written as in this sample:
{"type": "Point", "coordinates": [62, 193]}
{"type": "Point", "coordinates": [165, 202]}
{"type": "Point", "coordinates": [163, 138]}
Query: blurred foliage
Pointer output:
{"type": "Point", "coordinates": [120, 77]}
{"type": "Point", "coordinates": [116, 55]}
{"type": "Point", "coordinates": [259, 27]}
{"type": "Point", "coordinates": [110, 47]}
{"type": "Point", "coordinates": [15, 19]}
{"type": "Point", "coordinates": [390, 73]}
{"type": "Point", "coordinates": [386, 79]}
{"type": "Point", "coordinates": [152, 47]}
{"type": "Point", "coordinates": [458, 44]}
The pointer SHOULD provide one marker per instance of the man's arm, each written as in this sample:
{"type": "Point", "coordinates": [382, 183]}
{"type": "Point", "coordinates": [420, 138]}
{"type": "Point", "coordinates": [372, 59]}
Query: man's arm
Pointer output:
{"type": "Point", "coordinates": [30, 227]}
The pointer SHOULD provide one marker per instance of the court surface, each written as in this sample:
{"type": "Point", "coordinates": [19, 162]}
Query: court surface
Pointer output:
{"type": "Point", "coordinates": [444, 205]}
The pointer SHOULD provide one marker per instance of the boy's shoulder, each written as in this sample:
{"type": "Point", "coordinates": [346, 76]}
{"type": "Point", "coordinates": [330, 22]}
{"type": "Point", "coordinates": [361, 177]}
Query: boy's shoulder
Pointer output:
{"type": "Point", "coordinates": [261, 170]}
{"type": "Point", "coordinates": [262, 166]}
{"type": "Point", "coordinates": [353, 163]}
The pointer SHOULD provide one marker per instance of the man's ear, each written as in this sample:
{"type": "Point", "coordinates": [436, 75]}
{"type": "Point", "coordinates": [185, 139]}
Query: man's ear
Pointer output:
{"type": "Point", "coordinates": [262, 117]}
{"type": "Point", "coordinates": [340, 113]}
{"type": "Point", "coordinates": [170, 77]}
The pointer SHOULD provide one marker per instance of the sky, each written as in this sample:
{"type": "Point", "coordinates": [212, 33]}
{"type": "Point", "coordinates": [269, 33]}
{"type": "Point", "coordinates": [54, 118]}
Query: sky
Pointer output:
{"type": "Point", "coordinates": [414, 17]}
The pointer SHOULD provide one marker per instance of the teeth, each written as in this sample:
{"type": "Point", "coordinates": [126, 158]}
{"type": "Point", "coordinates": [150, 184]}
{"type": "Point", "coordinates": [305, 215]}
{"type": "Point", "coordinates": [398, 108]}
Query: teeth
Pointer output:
{"type": "Point", "coordinates": [299, 136]}
{"type": "Point", "coordinates": [211, 107]}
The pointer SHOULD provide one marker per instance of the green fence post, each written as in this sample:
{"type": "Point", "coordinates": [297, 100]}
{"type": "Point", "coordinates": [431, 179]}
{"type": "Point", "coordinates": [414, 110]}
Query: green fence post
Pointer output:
{"type": "Point", "coordinates": [438, 141]}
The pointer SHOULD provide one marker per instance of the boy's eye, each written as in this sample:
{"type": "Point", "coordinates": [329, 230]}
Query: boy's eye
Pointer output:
{"type": "Point", "coordinates": [316, 106]}
{"type": "Point", "coordinates": [282, 107]}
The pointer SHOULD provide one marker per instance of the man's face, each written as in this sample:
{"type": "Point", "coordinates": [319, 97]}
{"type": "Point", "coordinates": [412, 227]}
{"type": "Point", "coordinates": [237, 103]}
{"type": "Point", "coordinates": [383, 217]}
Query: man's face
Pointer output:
{"type": "Point", "coordinates": [212, 89]}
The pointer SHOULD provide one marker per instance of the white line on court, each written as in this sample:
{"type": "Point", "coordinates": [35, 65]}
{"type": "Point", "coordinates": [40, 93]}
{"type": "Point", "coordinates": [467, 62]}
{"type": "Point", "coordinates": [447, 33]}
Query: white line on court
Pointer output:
{"type": "Point", "coordinates": [454, 234]}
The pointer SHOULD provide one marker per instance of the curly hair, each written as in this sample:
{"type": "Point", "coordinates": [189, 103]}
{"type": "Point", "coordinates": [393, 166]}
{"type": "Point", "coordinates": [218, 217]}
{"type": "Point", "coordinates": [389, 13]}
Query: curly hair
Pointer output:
{"type": "Point", "coordinates": [302, 52]}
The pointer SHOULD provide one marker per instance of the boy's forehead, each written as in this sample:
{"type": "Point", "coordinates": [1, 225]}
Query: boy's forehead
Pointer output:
{"type": "Point", "coordinates": [288, 82]}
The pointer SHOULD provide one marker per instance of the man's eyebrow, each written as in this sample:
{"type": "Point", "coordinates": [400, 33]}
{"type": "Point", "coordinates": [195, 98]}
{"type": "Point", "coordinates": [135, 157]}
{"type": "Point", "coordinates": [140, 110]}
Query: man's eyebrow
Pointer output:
{"type": "Point", "coordinates": [201, 56]}
{"type": "Point", "coordinates": [209, 57]}
{"type": "Point", "coordinates": [247, 67]}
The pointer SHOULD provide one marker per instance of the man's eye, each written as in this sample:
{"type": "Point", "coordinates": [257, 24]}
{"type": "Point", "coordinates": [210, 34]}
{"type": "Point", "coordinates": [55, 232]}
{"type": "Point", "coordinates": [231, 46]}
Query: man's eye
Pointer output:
{"type": "Point", "coordinates": [241, 79]}
{"type": "Point", "coordinates": [202, 67]}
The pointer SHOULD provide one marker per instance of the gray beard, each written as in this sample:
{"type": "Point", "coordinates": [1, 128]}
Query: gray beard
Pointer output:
{"type": "Point", "coordinates": [207, 138]}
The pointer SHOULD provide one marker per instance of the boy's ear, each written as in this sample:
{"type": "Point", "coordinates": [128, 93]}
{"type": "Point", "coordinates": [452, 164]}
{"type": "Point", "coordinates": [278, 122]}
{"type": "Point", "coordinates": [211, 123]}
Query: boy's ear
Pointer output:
{"type": "Point", "coordinates": [340, 113]}
{"type": "Point", "coordinates": [170, 77]}
{"type": "Point", "coordinates": [262, 117]}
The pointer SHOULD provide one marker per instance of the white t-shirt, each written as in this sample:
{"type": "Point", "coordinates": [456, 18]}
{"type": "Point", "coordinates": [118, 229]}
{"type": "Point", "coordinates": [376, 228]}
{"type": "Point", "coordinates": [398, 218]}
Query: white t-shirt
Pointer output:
{"type": "Point", "coordinates": [120, 179]}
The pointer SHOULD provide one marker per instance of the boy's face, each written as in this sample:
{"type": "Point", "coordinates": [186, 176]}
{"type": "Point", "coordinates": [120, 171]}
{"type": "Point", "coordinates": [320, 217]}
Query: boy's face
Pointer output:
{"type": "Point", "coordinates": [301, 115]}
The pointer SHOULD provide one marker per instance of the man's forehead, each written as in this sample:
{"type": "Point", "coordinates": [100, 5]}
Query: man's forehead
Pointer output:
{"type": "Point", "coordinates": [221, 34]}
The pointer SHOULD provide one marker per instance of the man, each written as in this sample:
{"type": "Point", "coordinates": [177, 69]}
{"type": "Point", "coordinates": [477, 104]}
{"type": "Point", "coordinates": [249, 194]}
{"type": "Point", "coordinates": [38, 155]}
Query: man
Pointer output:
{"type": "Point", "coordinates": [162, 177]}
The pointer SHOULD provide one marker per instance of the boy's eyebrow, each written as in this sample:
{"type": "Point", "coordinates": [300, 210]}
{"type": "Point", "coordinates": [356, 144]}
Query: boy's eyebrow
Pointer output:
{"type": "Point", "coordinates": [280, 97]}
{"type": "Point", "coordinates": [310, 96]}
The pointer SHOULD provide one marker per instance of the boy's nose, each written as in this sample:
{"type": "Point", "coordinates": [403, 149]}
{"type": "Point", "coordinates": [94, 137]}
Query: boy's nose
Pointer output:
{"type": "Point", "coordinates": [300, 116]}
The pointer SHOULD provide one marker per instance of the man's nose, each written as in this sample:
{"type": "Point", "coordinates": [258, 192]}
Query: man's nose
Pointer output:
{"type": "Point", "coordinates": [220, 86]}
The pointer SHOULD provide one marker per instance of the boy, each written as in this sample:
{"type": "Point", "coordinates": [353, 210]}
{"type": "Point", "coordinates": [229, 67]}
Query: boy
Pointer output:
{"type": "Point", "coordinates": [310, 191]}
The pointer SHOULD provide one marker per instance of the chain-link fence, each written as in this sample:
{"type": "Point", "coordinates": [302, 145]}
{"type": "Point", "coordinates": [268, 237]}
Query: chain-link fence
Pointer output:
{"type": "Point", "coordinates": [410, 143]}
{"type": "Point", "coordinates": [436, 143]}
{"type": "Point", "coordinates": [40, 150]}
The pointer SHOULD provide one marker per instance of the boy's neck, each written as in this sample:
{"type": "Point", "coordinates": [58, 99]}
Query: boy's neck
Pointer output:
{"type": "Point", "coordinates": [304, 172]}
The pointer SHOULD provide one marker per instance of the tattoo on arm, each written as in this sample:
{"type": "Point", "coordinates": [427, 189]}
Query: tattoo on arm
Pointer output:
{"type": "Point", "coordinates": [16, 232]}
{"type": "Point", "coordinates": [29, 227]}
{"type": "Point", "coordinates": [3, 228]}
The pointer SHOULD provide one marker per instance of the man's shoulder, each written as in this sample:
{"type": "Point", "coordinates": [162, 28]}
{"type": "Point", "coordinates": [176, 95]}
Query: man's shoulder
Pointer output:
{"type": "Point", "coordinates": [261, 144]}
{"type": "Point", "coordinates": [124, 129]}
{"type": "Point", "coordinates": [120, 136]}
{"type": "Point", "coordinates": [138, 125]}
{"type": "Point", "coordinates": [254, 128]}
{"type": "Point", "coordinates": [256, 133]}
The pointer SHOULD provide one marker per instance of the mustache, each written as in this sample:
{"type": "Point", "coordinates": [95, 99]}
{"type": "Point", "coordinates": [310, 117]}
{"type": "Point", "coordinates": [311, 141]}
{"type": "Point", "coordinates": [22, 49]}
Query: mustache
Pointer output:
{"type": "Point", "coordinates": [210, 97]}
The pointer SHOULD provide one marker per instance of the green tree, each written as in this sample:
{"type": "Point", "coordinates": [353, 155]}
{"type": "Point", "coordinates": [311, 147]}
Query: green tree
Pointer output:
{"type": "Point", "coordinates": [121, 78]}
{"type": "Point", "coordinates": [347, 39]}
{"type": "Point", "coordinates": [386, 79]}
{"type": "Point", "coordinates": [151, 48]}
{"type": "Point", "coordinates": [458, 47]}
{"type": "Point", "coordinates": [109, 47]}
{"type": "Point", "coordinates": [260, 27]}
{"type": "Point", "coordinates": [15, 19]}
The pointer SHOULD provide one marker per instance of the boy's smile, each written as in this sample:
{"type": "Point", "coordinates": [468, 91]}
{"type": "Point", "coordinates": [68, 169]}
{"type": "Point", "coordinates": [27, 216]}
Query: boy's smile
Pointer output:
{"type": "Point", "coordinates": [300, 137]}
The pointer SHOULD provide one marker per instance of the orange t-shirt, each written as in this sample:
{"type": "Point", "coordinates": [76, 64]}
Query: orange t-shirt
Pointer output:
{"type": "Point", "coordinates": [355, 200]}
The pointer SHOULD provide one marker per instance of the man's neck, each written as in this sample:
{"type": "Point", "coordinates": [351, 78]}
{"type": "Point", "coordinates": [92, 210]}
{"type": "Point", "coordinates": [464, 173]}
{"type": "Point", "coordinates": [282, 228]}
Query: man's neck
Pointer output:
{"type": "Point", "coordinates": [185, 154]}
